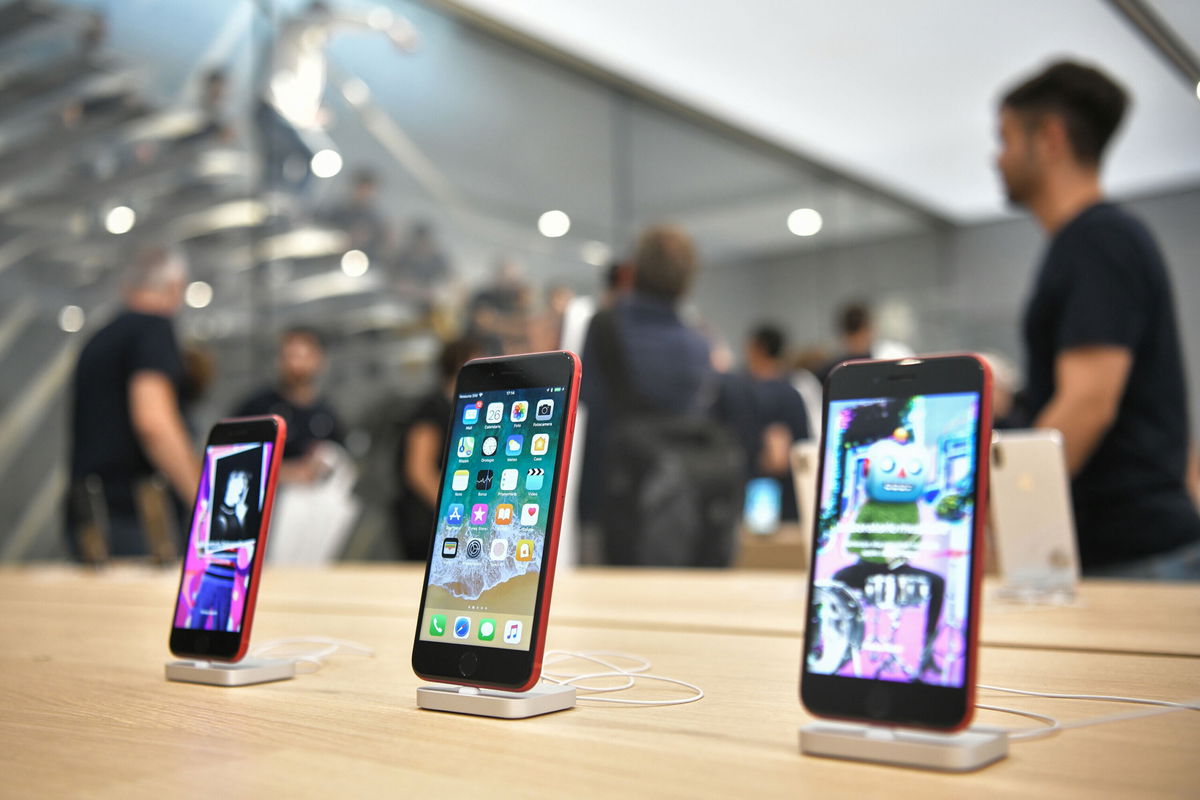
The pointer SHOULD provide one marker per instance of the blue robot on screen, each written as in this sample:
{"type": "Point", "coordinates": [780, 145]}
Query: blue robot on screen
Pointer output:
{"type": "Point", "coordinates": [897, 471]}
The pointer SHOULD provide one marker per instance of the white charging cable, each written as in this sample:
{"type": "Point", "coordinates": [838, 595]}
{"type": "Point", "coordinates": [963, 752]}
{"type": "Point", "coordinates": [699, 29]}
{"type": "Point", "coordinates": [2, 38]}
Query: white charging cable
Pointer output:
{"type": "Point", "coordinates": [1054, 726]}
{"type": "Point", "coordinates": [629, 677]}
{"type": "Point", "coordinates": [317, 657]}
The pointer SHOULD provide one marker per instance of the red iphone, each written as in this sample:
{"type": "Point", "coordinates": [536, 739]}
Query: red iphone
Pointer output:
{"type": "Point", "coordinates": [214, 608]}
{"type": "Point", "coordinates": [486, 597]}
{"type": "Point", "coordinates": [893, 595]}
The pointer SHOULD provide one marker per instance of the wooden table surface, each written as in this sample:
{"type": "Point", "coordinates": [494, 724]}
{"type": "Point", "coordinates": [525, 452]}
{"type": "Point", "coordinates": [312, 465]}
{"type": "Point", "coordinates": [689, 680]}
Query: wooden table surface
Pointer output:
{"type": "Point", "coordinates": [87, 711]}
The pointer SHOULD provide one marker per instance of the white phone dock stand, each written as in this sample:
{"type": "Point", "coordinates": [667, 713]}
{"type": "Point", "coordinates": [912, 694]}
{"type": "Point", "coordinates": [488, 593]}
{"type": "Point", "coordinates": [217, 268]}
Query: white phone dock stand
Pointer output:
{"type": "Point", "coordinates": [965, 751]}
{"type": "Point", "coordinates": [240, 673]}
{"type": "Point", "coordinates": [542, 699]}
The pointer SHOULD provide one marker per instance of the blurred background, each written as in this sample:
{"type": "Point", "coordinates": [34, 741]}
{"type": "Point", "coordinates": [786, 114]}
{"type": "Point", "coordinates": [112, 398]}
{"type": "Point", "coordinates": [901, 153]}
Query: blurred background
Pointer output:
{"type": "Point", "coordinates": [393, 175]}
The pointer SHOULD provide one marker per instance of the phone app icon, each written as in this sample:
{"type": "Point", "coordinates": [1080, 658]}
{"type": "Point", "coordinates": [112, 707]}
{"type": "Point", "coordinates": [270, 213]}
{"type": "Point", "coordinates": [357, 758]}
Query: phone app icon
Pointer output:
{"type": "Point", "coordinates": [515, 444]}
{"type": "Point", "coordinates": [534, 479]}
{"type": "Point", "coordinates": [489, 446]}
{"type": "Point", "coordinates": [454, 515]}
{"type": "Point", "coordinates": [529, 514]}
{"type": "Point", "coordinates": [449, 548]}
{"type": "Point", "coordinates": [479, 513]}
{"type": "Point", "coordinates": [512, 631]}
{"type": "Point", "coordinates": [487, 630]}
{"type": "Point", "coordinates": [545, 410]}
{"type": "Point", "coordinates": [524, 550]}
{"type": "Point", "coordinates": [541, 443]}
{"type": "Point", "coordinates": [437, 625]}
{"type": "Point", "coordinates": [461, 477]}
{"type": "Point", "coordinates": [499, 549]}
{"type": "Point", "coordinates": [504, 513]}
{"type": "Point", "coordinates": [474, 548]}
{"type": "Point", "coordinates": [462, 627]}
{"type": "Point", "coordinates": [495, 413]}
{"type": "Point", "coordinates": [483, 480]}
{"type": "Point", "coordinates": [471, 414]}
{"type": "Point", "coordinates": [466, 447]}
{"type": "Point", "coordinates": [508, 480]}
{"type": "Point", "coordinates": [520, 410]}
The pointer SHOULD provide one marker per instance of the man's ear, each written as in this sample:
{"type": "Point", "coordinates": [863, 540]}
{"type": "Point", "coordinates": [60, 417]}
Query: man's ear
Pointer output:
{"type": "Point", "coordinates": [1051, 134]}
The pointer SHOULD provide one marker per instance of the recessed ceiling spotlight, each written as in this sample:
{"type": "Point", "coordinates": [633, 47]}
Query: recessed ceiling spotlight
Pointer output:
{"type": "Point", "coordinates": [554, 224]}
{"type": "Point", "coordinates": [805, 222]}
{"type": "Point", "coordinates": [198, 294]}
{"type": "Point", "coordinates": [71, 319]}
{"type": "Point", "coordinates": [120, 220]}
{"type": "Point", "coordinates": [355, 263]}
{"type": "Point", "coordinates": [326, 163]}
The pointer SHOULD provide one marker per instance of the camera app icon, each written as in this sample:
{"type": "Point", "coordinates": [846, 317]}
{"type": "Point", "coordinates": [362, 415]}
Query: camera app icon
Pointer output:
{"type": "Point", "coordinates": [544, 410]}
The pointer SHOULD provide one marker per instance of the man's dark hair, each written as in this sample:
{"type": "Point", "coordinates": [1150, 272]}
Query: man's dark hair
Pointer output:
{"type": "Point", "coordinates": [769, 339]}
{"type": "Point", "coordinates": [303, 332]}
{"type": "Point", "coordinates": [853, 318]}
{"type": "Point", "coordinates": [1089, 103]}
{"type": "Point", "coordinates": [665, 263]}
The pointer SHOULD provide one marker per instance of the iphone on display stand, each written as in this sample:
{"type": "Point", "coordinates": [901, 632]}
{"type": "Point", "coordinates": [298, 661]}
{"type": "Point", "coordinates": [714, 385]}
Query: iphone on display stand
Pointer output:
{"type": "Point", "coordinates": [486, 594]}
{"type": "Point", "coordinates": [1033, 523]}
{"type": "Point", "coordinates": [218, 585]}
{"type": "Point", "coordinates": [894, 591]}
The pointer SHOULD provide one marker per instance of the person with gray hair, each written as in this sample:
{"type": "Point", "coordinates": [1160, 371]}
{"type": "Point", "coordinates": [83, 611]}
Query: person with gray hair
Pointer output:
{"type": "Point", "coordinates": [126, 423]}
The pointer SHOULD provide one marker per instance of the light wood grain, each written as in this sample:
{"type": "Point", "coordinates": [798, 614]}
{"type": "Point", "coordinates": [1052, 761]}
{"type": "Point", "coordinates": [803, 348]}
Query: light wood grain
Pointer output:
{"type": "Point", "coordinates": [1107, 616]}
{"type": "Point", "coordinates": [87, 711]}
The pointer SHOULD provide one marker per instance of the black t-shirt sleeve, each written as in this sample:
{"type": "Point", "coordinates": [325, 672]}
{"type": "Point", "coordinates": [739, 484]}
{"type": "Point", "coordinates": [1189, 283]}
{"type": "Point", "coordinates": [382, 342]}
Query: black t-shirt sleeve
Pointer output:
{"type": "Point", "coordinates": [1107, 298]}
{"type": "Point", "coordinates": [155, 351]}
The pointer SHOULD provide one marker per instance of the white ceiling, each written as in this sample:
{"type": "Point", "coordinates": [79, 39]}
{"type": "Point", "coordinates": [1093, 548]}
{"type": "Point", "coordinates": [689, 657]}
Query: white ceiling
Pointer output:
{"type": "Point", "coordinates": [899, 94]}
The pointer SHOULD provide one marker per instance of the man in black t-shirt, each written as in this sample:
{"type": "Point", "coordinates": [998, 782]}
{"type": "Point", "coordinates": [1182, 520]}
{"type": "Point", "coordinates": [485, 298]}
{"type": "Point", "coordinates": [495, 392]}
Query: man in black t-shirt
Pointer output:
{"type": "Point", "coordinates": [1104, 362]}
{"type": "Point", "coordinates": [310, 418]}
{"type": "Point", "coordinates": [125, 418]}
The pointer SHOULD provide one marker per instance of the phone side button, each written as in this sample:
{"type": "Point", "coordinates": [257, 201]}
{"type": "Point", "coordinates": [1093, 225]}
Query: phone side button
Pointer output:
{"type": "Point", "coordinates": [468, 664]}
{"type": "Point", "coordinates": [878, 702]}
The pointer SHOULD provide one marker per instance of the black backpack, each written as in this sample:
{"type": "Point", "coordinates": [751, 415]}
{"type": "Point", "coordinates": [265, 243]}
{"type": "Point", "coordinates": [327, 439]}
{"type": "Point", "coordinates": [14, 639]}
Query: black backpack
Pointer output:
{"type": "Point", "coordinates": [672, 485]}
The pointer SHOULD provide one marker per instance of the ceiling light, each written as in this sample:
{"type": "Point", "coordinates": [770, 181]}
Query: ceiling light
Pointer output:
{"type": "Point", "coordinates": [804, 222]}
{"type": "Point", "coordinates": [554, 224]}
{"type": "Point", "coordinates": [595, 253]}
{"type": "Point", "coordinates": [355, 263]}
{"type": "Point", "coordinates": [120, 220]}
{"type": "Point", "coordinates": [326, 163]}
{"type": "Point", "coordinates": [198, 294]}
{"type": "Point", "coordinates": [71, 319]}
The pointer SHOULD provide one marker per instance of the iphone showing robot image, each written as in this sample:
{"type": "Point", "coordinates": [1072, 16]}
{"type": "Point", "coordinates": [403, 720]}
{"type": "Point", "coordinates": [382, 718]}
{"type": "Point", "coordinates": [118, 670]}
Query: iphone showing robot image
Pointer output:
{"type": "Point", "coordinates": [893, 600]}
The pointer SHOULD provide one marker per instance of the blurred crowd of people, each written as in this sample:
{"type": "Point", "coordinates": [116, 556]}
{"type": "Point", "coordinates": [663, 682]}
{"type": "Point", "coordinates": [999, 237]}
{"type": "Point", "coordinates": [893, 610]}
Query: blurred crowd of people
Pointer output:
{"type": "Point", "coordinates": [1103, 360]}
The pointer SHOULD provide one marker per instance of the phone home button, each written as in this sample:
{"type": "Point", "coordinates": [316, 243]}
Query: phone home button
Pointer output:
{"type": "Point", "coordinates": [877, 703]}
{"type": "Point", "coordinates": [468, 664]}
